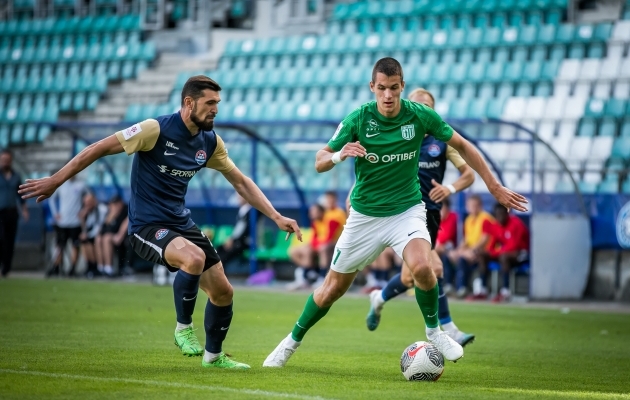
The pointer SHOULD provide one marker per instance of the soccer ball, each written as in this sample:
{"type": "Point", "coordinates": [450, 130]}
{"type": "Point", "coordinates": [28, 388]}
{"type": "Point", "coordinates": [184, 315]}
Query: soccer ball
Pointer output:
{"type": "Point", "coordinates": [422, 361]}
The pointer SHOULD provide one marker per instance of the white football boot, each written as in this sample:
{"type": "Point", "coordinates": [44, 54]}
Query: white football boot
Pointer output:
{"type": "Point", "coordinates": [281, 354]}
{"type": "Point", "coordinates": [450, 349]}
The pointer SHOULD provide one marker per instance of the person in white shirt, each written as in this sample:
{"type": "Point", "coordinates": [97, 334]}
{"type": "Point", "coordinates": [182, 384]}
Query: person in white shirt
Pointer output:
{"type": "Point", "coordinates": [92, 217]}
{"type": "Point", "coordinates": [67, 222]}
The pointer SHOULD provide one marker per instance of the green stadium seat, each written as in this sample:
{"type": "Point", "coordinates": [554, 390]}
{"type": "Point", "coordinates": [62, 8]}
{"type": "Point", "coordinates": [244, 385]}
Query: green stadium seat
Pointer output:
{"type": "Point", "coordinates": [4, 136]}
{"type": "Point", "coordinates": [524, 89]}
{"type": "Point", "coordinates": [495, 108]}
{"type": "Point", "coordinates": [502, 55]}
{"type": "Point", "coordinates": [78, 103]}
{"type": "Point", "coordinates": [477, 108]}
{"type": "Point", "coordinates": [621, 149]}
{"type": "Point", "coordinates": [113, 70]}
{"type": "Point", "coordinates": [625, 128]}
{"type": "Point", "coordinates": [498, 20]}
{"type": "Point", "coordinates": [534, 18]}
{"type": "Point", "coordinates": [17, 134]}
{"type": "Point", "coordinates": [481, 20]}
{"type": "Point", "coordinates": [594, 108]}
{"type": "Point", "coordinates": [543, 89]}
{"type": "Point", "coordinates": [515, 18]}
{"type": "Point", "coordinates": [92, 101]}
{"type": "Point", "coordinates": [608, 186]}
{"type": "Point", "coordinates": [577, 51]}
{"type": "Point", "coordinates": [520, 54]}
{"type": "Point", "coordinates": [596, 50]}
{"type": "Point", "coordinates": [528, 35]}
{"type": "Point", "coordinates": [615, 108]}
{"type": "Point", "coordinates": [608, 127]}
{"type": "Point", "coordinates": [474, 38]}
{"type": "Point", "coordinates": [494, 72]}
{"type": "Point", "coordinates": [588, 127]}
{"type": "Point", "coordinates": [513, 71]}
{"type": "Point", "coordinates": [625, 187]}
{"type": "Point", "coordinates": [523, 5]}
{"type": "Point", "coordinates": [602, 32]}
{"type": "Point", "coordinates": [550, 70]}
{"type": "Point", "coordinates": [65, 102]}
{"type": "Point", "coordinates": [587, 187]}
{"type": "Point", "coordinates": [491, 37]}
{"type": "Point", "coordinates": [565, 34]}
{"type": "Point", "coordinates": [133, 113]}
{"type": "Point", "coordinates": [553, 17]}
{"type": "Point", "coordinates": [43, 132]}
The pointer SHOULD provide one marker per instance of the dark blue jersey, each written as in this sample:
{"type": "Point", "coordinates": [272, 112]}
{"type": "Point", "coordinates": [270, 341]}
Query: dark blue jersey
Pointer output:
{"type": "Point", "coordinates": [432, 165]}
{"type": "Point", "coordinates": [167, 156]}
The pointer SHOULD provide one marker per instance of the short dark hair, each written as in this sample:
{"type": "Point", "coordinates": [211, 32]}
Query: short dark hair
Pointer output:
{"type": "Point", "coordinates": [388, 66]}
{"type": "Point", "coordinates": [475, 197]}
{"type": "Point", "coordinates": [7, 151]}
{"type": "Point", "coordinates": [446, 202]}
{"type": "Point", "coordinates": [331, 193]}
{"type": "Point", "coordinates": [500, 207]}
{"type": "Point", "coordinates": [195, 85]}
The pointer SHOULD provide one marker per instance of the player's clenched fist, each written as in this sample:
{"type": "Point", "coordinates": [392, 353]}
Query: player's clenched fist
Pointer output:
{"type": "Point", "coordinates": [352, 149]}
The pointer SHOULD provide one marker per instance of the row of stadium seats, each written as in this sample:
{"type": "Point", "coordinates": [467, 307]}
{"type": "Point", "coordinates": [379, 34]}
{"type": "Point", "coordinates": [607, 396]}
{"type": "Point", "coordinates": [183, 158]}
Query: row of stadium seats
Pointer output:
{"type": "Point", "coordinates": [533, 71]}
{"type": "Point", "coordinates": [445, 22]}
{"type": "Point", "coordinates": [54, 26]}
{"type": "Point", "coordinates": [70, 40]}
{"type": "Point", "coordinates": [54, 83]}
{"type": "Point", "coordinates": [416, 57]}
{"type": "Point", "coordinates": [85, 69]}
{"type": "Point", "coordinates": [559, 108]}
{"type": "Point", "coordinates": [94, 52]}
{"type": "Point", "coordinates": [375, 9]}
{"type": "Point", "coordinates": [19, 134]}
{"type": "Point", "coordinates": [422, 40]}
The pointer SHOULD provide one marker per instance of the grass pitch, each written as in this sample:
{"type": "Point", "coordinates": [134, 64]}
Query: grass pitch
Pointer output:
{"type": "Point", "coordinates": [77, 340]}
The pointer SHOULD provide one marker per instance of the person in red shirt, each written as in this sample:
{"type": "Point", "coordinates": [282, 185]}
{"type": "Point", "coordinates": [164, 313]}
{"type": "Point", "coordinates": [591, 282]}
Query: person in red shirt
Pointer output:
{"type": "Point", "coordinates": [446, 241]}
{"type": "Point", "coordinates": [509, 238]}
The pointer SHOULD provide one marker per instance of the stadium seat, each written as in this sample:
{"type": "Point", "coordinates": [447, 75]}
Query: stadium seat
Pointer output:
{"type": "Point", "coordinates": [615, 108]}
{"type": "Point", "coordinates": [588, 127]}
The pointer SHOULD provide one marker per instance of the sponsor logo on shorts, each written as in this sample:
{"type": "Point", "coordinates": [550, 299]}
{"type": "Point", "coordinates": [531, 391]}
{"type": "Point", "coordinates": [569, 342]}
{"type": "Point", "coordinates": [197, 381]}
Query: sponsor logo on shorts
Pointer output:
{"type": "Point", "coordinates": [623, 226]}
{"type": "Point", "coordinates": [200, 157]}
{"type": "Point", "coordinates": [434, 150]}
{"type": "Point", "coordinates": [161, 234]}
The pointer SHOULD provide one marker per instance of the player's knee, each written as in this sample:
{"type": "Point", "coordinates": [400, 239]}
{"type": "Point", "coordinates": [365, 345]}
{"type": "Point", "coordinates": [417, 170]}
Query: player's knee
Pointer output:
{"type": "Point", "coordinates": [407, 280]}
{"type": "Point", "coordinates": [420, 269]}
{"type": "Point", "coordinates": [194, 261]}
{"type": "Point", "coordinates": [222, 296]}
{"type": "Point", "coordinates": [438, 267]}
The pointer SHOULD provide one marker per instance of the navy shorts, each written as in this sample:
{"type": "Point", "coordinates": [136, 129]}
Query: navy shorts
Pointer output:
{"type": "Point", "coordinates": [150, 243]}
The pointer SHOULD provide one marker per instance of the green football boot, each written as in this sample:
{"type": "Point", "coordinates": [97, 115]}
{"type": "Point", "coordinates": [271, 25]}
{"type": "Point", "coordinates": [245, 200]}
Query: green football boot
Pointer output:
{"type": "Point", "coordinates": [188, 343]}
{"type": "Point", "coordinates": [224, 362]}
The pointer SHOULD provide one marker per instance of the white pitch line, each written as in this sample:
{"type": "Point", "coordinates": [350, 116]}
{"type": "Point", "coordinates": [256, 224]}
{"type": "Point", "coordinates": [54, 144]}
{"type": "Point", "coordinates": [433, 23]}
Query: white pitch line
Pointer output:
{"type": "Point", "coordinates": [253, 392]}
{"type": "Point", "coordinates": [572, 394]}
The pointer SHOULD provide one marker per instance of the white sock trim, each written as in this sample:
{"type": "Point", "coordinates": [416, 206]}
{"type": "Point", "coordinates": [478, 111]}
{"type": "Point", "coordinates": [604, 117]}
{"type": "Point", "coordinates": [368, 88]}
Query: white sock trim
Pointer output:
{"type": "Point", "coordinates": [180, 327]}
{"type": "Point", "coordinates": [450, 327]}
{"type": "Point", "coordinates": [209, 357]}
{"type": "Point", "coordinates": [431, 332]}
{"type": "Point", "coordinates": [292, 343]}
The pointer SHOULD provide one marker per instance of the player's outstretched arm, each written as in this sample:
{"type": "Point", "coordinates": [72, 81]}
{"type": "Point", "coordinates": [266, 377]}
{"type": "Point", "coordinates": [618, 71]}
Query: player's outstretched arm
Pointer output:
{"type": "Point", "coordinates": [254, 196]}
{"type": "Point", "coordinates": [326, 158]}
{"type": "Point", "coordinates": [44, 188]}
{"type": "Point", "coordinates": [472, 157]}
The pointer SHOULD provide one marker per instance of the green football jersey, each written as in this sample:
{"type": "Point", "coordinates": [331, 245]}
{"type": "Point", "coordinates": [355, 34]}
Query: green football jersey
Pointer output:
{"type": "Point", "coordinates": [387, 177]}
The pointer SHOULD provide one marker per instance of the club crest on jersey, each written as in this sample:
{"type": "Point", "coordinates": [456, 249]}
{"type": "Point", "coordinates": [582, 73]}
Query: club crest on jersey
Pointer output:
{"type": "Point", "coordinates": [161, 234]}
{"type": "Point", "coordinates": [408, 132]}
{"type": "Point", "coordinates": [434, 150]}
{"type": "Point", "coordinates": [200, 157]}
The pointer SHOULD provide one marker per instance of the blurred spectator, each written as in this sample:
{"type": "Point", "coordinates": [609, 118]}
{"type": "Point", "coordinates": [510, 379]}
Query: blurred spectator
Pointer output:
{"type": "Point", "coordinates": [9, 199]}
{"type": "Point", "coordinates": [112, 235]}
{"type": "Point", "coordinates": [239, 241]}
{"type": "Point", "coordinates": [377, 273]}
{"type": "Point", "coordinates": [446, 241]}
{"type": "Point", "coordinates": [466, 256]}
{"type": "Point", "coordinates": [329, 231]}
{"type": "Point", "coordinates": [67, 222]}
{"type": "Point", "coordinates": [304, 255]}
{"type": "Point", "coordinates": [92, 217]}
{"type": "Point", "coordinates": [510, 238]}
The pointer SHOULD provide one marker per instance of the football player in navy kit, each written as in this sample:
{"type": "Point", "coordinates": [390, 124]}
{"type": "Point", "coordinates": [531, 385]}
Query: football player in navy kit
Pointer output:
{"type": "Point", "coordinates": [168, 151]}
{"type": "Point", "coordinates": [433, 157]}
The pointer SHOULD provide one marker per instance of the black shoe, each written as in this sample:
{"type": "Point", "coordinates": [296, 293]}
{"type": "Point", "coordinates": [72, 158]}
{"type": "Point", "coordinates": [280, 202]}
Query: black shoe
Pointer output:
{"type": "Point", "coordinates": [53, 271]}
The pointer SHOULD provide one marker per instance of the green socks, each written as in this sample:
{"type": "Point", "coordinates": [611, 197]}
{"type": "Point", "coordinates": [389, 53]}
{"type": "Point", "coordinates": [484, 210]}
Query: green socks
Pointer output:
{"type": "Point", "coordinates": [428, 302]}
{"type": "Point", "coordinates": [313, 313]}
